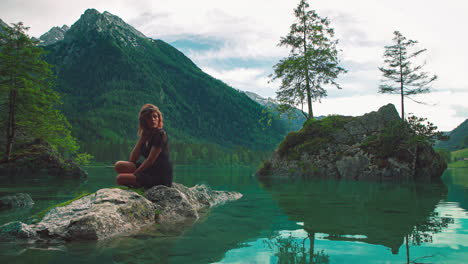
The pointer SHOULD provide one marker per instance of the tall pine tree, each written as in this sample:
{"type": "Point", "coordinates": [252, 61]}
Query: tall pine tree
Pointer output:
{"type": "Point", "coordinates": [312, 62]}
{"type": "Point", "coordinates": [27, 101]}
{"type": "Point", "coordinates": [401, 76]}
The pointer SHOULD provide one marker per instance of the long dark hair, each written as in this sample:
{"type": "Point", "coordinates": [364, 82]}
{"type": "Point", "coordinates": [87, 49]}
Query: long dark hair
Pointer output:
{"type": "Point", "coordinates": [145, 112]}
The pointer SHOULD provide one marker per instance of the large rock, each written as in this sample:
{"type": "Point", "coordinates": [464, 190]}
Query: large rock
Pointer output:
{"type": "Point", "coordinates": [106, 213]}
{"type": "Point", "coordinates": [18, 200]}
{"type": "Point", "coordinates": [38, 158]}
{"type": "Point", "coordinates": [110, 212]}
{"type": "Point", "coordinates": [375, 146]}
{"type": "Point", "coordinates": [179, 206]}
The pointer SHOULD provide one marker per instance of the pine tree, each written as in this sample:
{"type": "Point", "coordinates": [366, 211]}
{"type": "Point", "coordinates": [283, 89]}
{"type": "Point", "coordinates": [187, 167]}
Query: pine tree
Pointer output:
{"type": "Point", "coordinates": [313, 60]}
{"type": "Point", "coordinates": [26, 98]}
{"type": "Point", "coordinates": [409, 79]}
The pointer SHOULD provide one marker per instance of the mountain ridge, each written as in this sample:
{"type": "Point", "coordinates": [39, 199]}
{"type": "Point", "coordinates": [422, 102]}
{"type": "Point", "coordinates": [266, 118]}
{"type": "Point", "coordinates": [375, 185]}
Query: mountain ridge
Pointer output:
{"type": "Point", "coordinates": [106, 70]}
{"type": "Point", "coordinates": [54, 35]}
{"type": "Point", "coordinates": [456, 138]}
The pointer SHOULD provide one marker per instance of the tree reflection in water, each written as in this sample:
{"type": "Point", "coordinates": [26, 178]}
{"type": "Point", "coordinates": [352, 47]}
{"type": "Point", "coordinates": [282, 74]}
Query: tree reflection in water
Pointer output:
{"type": "Point", "coordinates": [291, 250]}
{"type": "Point", "coordinates": [388, 214]}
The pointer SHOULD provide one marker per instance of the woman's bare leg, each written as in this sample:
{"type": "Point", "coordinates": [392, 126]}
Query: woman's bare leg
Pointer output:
{"type": "Point", "coordinates": [127, 179]}
{"type": "Point", "coordinates": [124, 167]}
{"type": "Point", "coordinates": [126, 176]}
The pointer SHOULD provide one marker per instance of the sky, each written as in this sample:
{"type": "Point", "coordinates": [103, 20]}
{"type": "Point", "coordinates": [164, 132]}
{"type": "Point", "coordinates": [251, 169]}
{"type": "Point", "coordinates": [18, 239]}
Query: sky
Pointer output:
{"type": "Point", "coordinates": [236, 42]}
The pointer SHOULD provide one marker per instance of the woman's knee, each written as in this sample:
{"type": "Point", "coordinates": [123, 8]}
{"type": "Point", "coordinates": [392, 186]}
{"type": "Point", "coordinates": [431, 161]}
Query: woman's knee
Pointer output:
{"type": "Point", "coordinates": [124, 167]}
{"type": "Point", "coordinates": [126, 179]}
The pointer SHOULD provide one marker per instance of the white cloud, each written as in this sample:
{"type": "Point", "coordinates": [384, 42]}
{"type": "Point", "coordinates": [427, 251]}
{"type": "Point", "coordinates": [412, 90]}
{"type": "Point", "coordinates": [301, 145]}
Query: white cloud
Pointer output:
{"type": "Point", "coordinates": [246, 79]}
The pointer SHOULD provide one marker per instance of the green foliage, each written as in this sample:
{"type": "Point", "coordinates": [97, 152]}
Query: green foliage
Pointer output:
{"type": "Point", "coordinates": [265, 169]}
{"type": "Point", "coordinates": [83, 159]}
{"type": "Point", "coordinates": [410, 80]}
{"type": "Point", "coordinates": [182, 153]}
{"type": "Point", "coordinates": [445, 154]}
{"type": "Point", "coordinates": [28, 104]}
{"type": "Point", "coordinates": [459, 164]}
{"type": "Point", "coordinates": [425, 132]}
{"type": "Point", "coordinates": [458, 159]}
{"type": "Point", "coordinates": [399, 138]}
{"type": "Point", "coordinates": [393, 141]}
{"type": "Point", "coordinates": [314, 135]}
{"type": "Point", "coordinates": [460, 154]}
{"type": "Point", "coordinates": [313, 60]}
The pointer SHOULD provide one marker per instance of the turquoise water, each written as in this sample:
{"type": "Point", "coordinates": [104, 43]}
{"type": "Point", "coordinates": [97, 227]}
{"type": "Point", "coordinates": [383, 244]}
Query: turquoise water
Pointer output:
{"type": "Point", "coordinates": [313, 221]}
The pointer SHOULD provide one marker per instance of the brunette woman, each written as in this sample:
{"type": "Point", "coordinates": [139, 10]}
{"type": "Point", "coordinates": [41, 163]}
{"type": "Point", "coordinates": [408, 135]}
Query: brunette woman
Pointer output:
{"type": "Point", "coordinates": [153, 145]}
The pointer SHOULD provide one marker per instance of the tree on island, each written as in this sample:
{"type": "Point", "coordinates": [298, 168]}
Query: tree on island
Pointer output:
{"type": "Point", "coordinates": [410, 80]}
{"type": "Point", "coordinates": [312, 62]}
{"type": "Point", "coordinates": [27, 101]}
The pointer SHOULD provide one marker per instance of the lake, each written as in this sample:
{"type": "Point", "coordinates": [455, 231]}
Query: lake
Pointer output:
{"type": "Point", "coordinates": [300, 221]}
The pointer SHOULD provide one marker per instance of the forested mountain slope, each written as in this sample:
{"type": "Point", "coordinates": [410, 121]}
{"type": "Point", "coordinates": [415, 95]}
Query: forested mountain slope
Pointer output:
{"type": "Point", "coordinates": [107, 69]}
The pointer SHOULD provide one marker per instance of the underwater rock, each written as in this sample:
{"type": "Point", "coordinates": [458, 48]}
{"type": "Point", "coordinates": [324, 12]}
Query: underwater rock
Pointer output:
{"type": "Point", "coordinates": [110, 212]}
{"type": "Point", "coordinates": [18, 200]}
{"type": "Point", "coordinates": [376, 146]}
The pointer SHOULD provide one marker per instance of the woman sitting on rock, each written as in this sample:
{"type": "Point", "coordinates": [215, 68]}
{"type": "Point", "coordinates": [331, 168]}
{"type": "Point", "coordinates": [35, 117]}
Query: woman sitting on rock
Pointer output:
{"type": "Point", "coordinates": [156, 169]}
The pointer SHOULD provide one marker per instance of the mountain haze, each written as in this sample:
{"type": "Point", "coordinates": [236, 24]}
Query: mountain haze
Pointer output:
{"type": "Point", "coordinates": [107, 69]}
{"type": "Point", "coordinates": [293, 122]}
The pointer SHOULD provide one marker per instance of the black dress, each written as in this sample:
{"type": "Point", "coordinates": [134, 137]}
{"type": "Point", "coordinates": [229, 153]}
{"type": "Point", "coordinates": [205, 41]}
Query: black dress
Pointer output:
{"type": "Point", "coordinates": [160, 172]}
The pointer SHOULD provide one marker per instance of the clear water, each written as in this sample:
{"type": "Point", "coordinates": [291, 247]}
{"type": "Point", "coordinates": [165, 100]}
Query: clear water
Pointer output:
{"type": "Point", "coordinates": [313, 221]}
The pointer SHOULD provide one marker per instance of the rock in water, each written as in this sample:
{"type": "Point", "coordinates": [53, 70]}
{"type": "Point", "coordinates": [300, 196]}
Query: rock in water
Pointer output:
{"type": "Point", "coordinates": [17, 231]}
{"type": "Point", "coordinates": [110, 212]}
{"type": "Point", "coordinates": [39, 158]}
{"type": "Point", "coordinates": [106, 213]}
{"type": "Point", "coordinates": [375, 146]}
{"type": "Point", "coordinates": [18, 200]}
{"type": "Point", "coordinates": [178, 206]}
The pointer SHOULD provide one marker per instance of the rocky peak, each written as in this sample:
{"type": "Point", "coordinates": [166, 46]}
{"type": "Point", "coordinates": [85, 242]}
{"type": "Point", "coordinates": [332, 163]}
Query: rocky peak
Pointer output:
{"type": "Point", "coordinates": [259, 99]}
{"type": "Point", "coordinates": [53, 35]}
{"type": "Point", "coordinates": [92, 24]}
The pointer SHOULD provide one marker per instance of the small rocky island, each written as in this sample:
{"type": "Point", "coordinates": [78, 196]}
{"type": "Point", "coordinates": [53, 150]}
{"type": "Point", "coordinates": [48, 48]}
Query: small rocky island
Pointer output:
{"type": "Point", "coordinates": [376, 146]}
{"type": "Point", "coordinates": [39, 158]}
{"type": "Point", "coordinates": [112, 211]}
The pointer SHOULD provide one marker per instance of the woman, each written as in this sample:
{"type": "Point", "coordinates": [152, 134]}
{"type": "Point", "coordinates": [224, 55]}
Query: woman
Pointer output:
{"type": "Point", "coordinates": [156, 169]}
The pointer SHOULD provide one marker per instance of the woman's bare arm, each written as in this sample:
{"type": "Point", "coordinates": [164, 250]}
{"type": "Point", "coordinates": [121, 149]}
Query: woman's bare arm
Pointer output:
{"type": "Point", "coordinates": [152, 157]}
{"type": "Point", "coordinates": [135, 154]}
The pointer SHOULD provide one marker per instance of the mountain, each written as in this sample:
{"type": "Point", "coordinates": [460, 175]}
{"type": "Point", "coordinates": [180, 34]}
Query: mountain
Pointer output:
{"type": "Point", "coordinates": [293, 123]}
{"type": "Point", "coordinates": [106, 70]}
{"type": "Point", "coordinates": [2, 25]}
{"type": "Point", "coordinates": [53, 35]}
{"type": "Point", "coordinates": [457, 138]}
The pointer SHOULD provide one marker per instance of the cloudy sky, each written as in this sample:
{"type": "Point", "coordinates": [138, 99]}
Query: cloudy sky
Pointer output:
{"type": "Point", "coordinates": [236, 41]}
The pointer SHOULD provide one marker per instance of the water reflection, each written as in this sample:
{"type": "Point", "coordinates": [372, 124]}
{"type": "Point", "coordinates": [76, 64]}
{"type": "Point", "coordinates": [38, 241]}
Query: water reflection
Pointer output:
{"type": "Point", "coordinates": [382, 214]}
{"type": "Point", "coordinates": [275, 222]}
{"type": "Point", "coordinates": [288, 249]}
